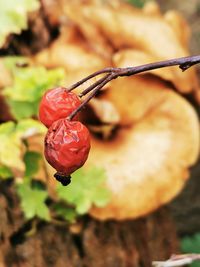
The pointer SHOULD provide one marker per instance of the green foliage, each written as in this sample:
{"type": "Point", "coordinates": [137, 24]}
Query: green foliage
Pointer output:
{"type": "Point", "coordinates": [31, 160]}
{"type": "Point", "coordinates": [7, 128]}
{"type": "Point", "coordinates": [29, 84]}
{"type": "Point", "coordinates": [63, 211]}
{"type": "Point", "coordinates": [11, 62]}
{"type": "Point", "coordinates": [23, 96]}
{"type": "Point", "coordinates": [138, 3]}
{"type": "Point", "coordinates": [29, 127]}
{"type": "Point", "coordinates": [85, 190]}
{"type": "Point", "coordinates": [33, 201]}
{"type": "Point", "coordinates": [13, 16]}
{"type": "Point", "coordinates": [12, 145]}
{"type": "Point", "coordinates": [32, 195]}
{"type": "Point", "coordinates": [191, 244]}
{"type": "Point", "coordinates": [5, 172]}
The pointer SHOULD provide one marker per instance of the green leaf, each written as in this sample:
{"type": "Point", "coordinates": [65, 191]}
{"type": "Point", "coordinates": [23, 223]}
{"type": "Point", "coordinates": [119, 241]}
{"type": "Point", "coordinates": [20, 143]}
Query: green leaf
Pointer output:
{"type": "Point", "coordinates": [29, 85]}
{"type": "Point", "coordinates": [11, 147]}
{"type": "Point", "coordinates": [29, 127]}
{"type": "Point", "coordinates": [13, 16]}
{"type": "Point", "coordinates": [65, 212]}
{"type": "Point", "coordinates": [32, 160]}
{"type": "Point", "coordinates": [11, 62]}
{"type": "Point", "coordinates": [7, 128]}
{"type": "Point", "coordinates": [191, 244]}
{"type": "Point", "coordinates": [33, 201]}
{"type": "Point", "coordinates": [11, 139]}
{"type": "Point", "coordinates": [5, 172]}
{"type": "Point", "coordinates": [21, 109]}
{"type": "Point", "coordinates": [85, 190]}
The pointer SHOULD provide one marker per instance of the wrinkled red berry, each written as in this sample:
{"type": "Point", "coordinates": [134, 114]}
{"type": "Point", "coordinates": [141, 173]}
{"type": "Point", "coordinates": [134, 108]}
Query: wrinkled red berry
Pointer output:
{"type": "Point", "coordinates": [56, 104]}
{"type": "Point", "coordinates": [67, 146]}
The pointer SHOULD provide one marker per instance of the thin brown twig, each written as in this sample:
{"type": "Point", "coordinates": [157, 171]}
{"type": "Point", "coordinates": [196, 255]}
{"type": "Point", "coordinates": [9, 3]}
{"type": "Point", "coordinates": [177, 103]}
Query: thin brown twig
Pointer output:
{"type": "Point", "coordinates": [75, 85]}
{"type": "Point", "coordinates": [112, 73]}
{"type": "Point", "coordinates": [184, 63]}
{"type": "Point", "coordinates": [177, 260]}
{"type": "Point", "coordinates": [94, 93]}
{"type": "Point", "coordinates": [91, 87]}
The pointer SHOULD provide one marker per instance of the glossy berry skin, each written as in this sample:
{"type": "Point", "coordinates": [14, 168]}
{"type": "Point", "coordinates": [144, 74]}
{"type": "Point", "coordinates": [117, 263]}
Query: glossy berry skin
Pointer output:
{"type": "Point", "coordinates": [56, 104]}
{"type": "Point", "coordinates": [67, 145]}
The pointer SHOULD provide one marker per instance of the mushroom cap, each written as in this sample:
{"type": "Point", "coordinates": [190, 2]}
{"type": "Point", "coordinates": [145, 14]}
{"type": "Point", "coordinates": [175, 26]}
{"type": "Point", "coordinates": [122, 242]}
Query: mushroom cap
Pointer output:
{"type": "Point", "coordinates": [125, 26]}
{"type": "Point", "coordinates": [147, 162]}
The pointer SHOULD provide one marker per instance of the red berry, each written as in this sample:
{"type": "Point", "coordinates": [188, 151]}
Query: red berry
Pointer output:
{"type": "Point", "coordinates": [56, 104]}
{"type": "Point", "coordinates": [67, 146]}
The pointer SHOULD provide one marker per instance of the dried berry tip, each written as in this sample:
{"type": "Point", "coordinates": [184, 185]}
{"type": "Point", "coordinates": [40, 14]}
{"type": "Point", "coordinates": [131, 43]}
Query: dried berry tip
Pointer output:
{"type": "Point", "coordinates": [64, 180]}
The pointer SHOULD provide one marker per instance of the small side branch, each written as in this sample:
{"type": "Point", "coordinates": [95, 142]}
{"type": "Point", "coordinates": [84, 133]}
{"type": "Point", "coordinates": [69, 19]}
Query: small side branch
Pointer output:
{"type": "Point", "coordinates": [93, 94]}
{"type": "Point", "coordinates": [103, 71]}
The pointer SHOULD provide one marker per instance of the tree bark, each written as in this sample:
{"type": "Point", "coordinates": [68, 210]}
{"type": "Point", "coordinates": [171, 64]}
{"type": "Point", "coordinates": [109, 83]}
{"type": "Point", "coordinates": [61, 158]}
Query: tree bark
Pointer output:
{"type": "Point", "coordinates": [88, 244]}
{"type": "Point", "coordinates": [185, 208]}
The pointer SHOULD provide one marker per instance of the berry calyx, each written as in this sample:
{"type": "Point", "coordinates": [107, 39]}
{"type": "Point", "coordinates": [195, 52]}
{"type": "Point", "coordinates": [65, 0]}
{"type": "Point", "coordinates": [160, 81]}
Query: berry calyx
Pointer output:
{"type": "Point", "coordinates": [56, 104]}
{"type": "Point", "coordinates": [64, 180]}
{"type": "Point", "coordinates": [67, 145]}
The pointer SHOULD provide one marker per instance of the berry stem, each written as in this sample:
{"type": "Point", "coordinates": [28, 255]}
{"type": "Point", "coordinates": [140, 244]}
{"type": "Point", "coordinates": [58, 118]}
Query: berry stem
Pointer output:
{"type": "Point", "coordinates": [184, 63]}
{"type": "Point", "coordinates": [75, 85]}
{"type": "Point", "coordinates": [91, 87]}
{"type": "Point", "coordinates": [93, 94]}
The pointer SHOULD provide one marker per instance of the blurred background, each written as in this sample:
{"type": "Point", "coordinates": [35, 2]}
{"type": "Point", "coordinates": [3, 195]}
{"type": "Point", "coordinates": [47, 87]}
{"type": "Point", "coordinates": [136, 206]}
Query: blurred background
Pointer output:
{"type": "Point", "coordinates": [112, 214]}
{"type": "Point", "coordinates": [190, 10]}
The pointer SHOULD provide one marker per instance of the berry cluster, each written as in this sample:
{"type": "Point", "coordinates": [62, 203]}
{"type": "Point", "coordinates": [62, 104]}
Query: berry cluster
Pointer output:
{"type": "Point", "coordinates": [67, 142]}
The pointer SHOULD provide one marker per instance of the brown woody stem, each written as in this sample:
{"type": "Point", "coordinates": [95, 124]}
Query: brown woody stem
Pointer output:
{"type": "Point", "coordinates": [184, 63]}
